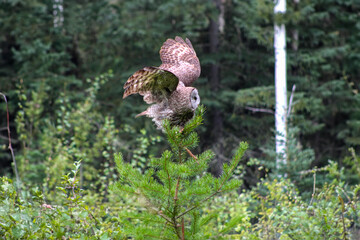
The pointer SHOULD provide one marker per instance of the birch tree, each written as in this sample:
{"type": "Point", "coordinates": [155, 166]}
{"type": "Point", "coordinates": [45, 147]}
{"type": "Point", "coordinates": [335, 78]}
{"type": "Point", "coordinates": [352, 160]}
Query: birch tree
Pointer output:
{"type": "Point", "coordinates": [280, 86]}
{"type": "Point", "coordinates": [58, 9]}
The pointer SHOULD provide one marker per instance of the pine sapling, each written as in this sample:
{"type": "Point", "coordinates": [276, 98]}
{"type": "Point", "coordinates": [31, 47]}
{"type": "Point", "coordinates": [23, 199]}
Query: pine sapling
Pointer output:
{"type": "Point", "coordinates": [171, 191]}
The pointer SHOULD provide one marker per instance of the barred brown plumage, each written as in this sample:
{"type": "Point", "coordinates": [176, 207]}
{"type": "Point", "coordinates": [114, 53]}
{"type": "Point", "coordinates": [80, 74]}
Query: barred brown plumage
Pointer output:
{"type": "Point", "coordinates": [168, 86]}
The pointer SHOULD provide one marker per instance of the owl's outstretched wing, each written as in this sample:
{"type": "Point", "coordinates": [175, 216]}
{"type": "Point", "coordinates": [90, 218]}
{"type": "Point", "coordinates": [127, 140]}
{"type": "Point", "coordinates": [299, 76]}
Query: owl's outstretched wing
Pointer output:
{"type": "Point", "coordinates": [179, 57]}
{"type": "Point", "coordinates": [153, 83]}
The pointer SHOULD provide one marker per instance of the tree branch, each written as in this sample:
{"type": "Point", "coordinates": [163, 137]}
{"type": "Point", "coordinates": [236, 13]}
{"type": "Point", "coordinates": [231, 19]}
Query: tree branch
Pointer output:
{"type": "Point", "coordinates": [212, 195]}
{"type": "Point", "coordinates": [191, 154]}
{"type": "Point", "coordinates": [198, 204]}
{"type": "Point", "coordinates": [10, 146]}
{"type": "Point", "coordinates": [264, 110]}
{"type": "Point", "coordinates": [176, 198]}
{"type": "Point", "coordinates": [291, 99]}
{"type": "Point", "coordinates": [182, 229]}
{"type": "Point", "coordinates": [164, 217]}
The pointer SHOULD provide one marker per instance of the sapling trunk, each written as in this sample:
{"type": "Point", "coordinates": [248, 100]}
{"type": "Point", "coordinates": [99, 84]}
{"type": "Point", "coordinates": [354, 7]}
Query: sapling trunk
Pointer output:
{"type": "Point", "coordinates": [174, 187]}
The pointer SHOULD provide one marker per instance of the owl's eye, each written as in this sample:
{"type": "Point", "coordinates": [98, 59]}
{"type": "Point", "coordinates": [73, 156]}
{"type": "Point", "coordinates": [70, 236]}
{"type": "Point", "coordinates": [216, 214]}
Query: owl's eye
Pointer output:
{"type": "Point", "coordinates": [194, 99]}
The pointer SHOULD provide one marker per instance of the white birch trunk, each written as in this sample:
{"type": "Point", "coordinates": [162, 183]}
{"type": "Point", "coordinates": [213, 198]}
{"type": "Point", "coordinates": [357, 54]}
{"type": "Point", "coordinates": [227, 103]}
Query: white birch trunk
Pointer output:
{"type": "Point", "coordinates": [58, 12]}
{"type": "Point", "coordinates": [280, 86]}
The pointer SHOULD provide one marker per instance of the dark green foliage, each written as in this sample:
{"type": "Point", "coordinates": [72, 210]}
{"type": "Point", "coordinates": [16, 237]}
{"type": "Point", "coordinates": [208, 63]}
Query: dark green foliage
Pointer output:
{"type": "Point", "coordinates": [174, 187]}
{"type": "Point", "coordinates": [325, 72]}
{"type": "Point", "coordinates": [73, 131]}
{"type": "Point", "coordinates": [58, 117]}
{"type": "Point", "coordinates": [322, 37]}
{"type": "Point", "coordinates": [126, 36]}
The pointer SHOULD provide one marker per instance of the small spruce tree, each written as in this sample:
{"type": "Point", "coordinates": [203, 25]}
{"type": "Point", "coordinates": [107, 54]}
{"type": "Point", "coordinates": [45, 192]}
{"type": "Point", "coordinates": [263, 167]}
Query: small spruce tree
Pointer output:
{"type": "Point", "coordinates": [168, 195]}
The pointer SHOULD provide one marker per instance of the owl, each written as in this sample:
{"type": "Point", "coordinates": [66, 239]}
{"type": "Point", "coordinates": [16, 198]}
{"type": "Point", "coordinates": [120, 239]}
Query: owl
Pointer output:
{"type": "Point", "coordinates": [167, 87]}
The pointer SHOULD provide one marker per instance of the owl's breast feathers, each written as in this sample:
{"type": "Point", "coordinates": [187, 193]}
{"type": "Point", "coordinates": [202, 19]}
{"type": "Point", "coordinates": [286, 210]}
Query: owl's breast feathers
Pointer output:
{"type": "Point", "coordinates": [181, 117]}
{"type": "Point", "coordinates": [160, 111]}
{"type": "Point", "coordinates": [177, 108]}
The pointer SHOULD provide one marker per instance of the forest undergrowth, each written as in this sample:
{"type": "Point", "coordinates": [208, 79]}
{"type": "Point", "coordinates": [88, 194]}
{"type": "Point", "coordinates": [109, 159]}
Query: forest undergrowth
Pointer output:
{"type": "Point", "coordinates": [80, 179]}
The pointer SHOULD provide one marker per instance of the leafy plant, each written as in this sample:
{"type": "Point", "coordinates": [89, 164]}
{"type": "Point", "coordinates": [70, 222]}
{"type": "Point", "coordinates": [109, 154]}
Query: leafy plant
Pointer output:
{"type": "Point", "coordinates": [33, 217]}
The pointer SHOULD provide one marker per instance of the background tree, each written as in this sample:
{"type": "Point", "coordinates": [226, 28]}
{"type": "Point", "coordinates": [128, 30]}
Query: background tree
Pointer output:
{"type": "Point", "coordinates": [49, 63]}
{"type": "Point", "coordinates": [64, 86]}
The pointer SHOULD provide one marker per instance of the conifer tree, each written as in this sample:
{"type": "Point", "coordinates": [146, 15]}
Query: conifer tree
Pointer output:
{"type": "Point", "coordinates": [168, 195]}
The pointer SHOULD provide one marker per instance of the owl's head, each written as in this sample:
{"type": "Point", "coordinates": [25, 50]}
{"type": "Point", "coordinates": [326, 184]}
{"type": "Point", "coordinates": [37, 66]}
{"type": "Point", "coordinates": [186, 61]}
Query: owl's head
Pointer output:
{"type": "Point", "coordinates": [194, 98]}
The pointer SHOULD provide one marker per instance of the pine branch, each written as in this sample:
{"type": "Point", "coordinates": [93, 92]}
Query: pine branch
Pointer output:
{"type": "Point", "coordinates": [168, 220]}
{"type": "Point", "coordinates": [168, 175]}
{"type": "Point", "coordinates": [178, 181]}
{"type": "Point", "coordinates": [237, 157]}
{"type": "Point", "coordinates": [176, 198]}
{"type": "Point", "coordinates": [197, 205]}
{"type": "Point", "coordinates": [182, 229]}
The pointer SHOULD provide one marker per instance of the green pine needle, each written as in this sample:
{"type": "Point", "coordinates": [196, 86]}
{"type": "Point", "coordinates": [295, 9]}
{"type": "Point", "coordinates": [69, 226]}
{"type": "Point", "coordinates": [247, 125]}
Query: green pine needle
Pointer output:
{"type": "Point", "coordinates": [175, 186]}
